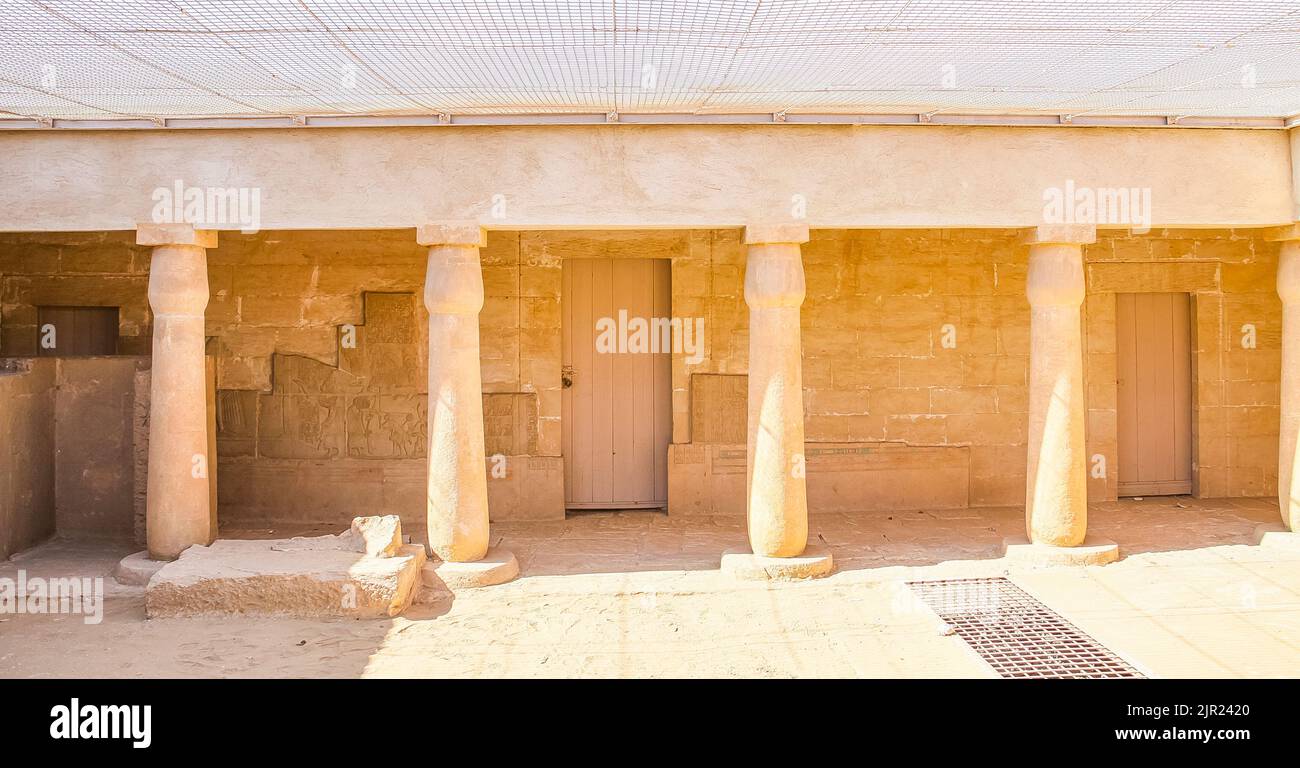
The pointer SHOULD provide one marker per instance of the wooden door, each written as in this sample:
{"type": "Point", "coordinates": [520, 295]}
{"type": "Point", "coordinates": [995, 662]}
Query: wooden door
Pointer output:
{"type": "Point", "coordinates": [76, 331]}
{"type": "Point", "coordinates": [1155, 393]}
{"type": "Point", "coordinates": [616, 406]}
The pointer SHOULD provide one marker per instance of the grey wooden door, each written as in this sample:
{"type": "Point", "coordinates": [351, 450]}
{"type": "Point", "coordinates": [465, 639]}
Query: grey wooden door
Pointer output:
{"type": "Point", "coordinates": [1155, 393]}
{"type": "Point", "coordinates": [76, 331]}
{"type": "Point", "coordinates": [616, 407]}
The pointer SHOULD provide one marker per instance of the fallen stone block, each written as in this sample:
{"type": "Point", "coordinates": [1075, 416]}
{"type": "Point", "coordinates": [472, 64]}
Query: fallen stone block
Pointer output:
{"type": "Point", "coordinates": [285, 577]}
{"type": "Point", "coordinates": [380, 535]}
{"type": "Point", "coordinates": [377, 535]}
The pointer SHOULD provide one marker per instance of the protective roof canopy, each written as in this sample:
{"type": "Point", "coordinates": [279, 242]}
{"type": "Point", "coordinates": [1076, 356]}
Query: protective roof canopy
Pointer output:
{"type": "Point", "coordinates": [201, 58]}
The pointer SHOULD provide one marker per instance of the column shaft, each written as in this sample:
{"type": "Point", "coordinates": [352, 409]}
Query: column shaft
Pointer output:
{"type": "Point", "coordinates": [178, 512]}
{"type": "Point", "coordinates": [1056, 498]}
{"type": "Point", "coordinates": [777, 501]}
{"type": "Point", "coordinates": [1288, 471]}
{"type": "Point", "coordinates": [457, 507]}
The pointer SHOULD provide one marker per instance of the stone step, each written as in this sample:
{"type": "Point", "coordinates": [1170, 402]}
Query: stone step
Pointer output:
{"type": "Point", "coordinates": [285, 577]}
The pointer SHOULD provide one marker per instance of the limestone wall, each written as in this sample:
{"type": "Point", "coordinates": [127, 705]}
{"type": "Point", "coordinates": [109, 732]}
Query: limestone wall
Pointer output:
{"type": "Point", "coordinates": [73, 269]}
{"type": "Point", "coordinates": [26, 453]}
{"type": "Point", "coordinates": [321, 343]}
{"type": "Point", "coordinates": [1232, 277]}
{"type": "Point", "coordinates": [878, 374]}
{"type": "Point", "coordinates": [70, 453]}
{"type": "Point", "coordinates": [939, 426]}
{"type": "Point", "coordinates": [319, 340]}
{"type": "Point", "coordinates": [619, 176]}
{"type": "Point", "coordinates": [95, 434]}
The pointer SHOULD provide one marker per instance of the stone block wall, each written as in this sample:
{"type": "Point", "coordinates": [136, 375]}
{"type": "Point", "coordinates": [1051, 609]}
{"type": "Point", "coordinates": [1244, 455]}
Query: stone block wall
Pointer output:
{"type": "Point", "coordinates": [95, 437]}
{"type": "Point", "coordinates": [919, 339]}
{"type": "Point", "coordinates": [915, 341]}
{"type": "Point", "coordinates": [84, 269]}
{"type": "Point", "coordinates": [27, 392]}
{"type": "Point", "coordinates": [915, 349]}
{"type": "Point", "coordinates": [1232, 277]}
{"type": "Point", "coordinates": [321, 341]}
{"type": "Point", "coordinates": [708, 281]}
{"type": "Point", "coordinates": [289, 293]}
{"type": "Point", "coordinates": [71, 456]}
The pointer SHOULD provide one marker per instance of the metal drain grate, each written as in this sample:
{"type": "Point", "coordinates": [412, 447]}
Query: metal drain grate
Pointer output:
{"type": "Point", "coordinates": [1015, 634]}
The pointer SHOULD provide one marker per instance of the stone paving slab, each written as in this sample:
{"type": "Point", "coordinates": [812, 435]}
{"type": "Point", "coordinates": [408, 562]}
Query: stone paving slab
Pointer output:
{"type": "Point", "coordinates": [273, 577]}
{"type": "Point", "coordinates": [1192, 597]}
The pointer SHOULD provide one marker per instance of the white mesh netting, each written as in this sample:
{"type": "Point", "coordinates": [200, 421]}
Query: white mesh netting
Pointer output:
{"type": "Point", "coordinates": [195, 58]}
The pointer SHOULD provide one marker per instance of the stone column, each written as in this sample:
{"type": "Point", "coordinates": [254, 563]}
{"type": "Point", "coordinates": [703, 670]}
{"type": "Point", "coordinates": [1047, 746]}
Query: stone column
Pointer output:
{"type": "Point", "coordinates": [777, 498]}
{"type": "Point", "coordinates": [456, 506]}
{"type": "Point", "coordinates": [1288, 459]}
{"type": "Point", "coordinates": [178, 502]}
{"type": "Point", "coordinates": [1056, 496]}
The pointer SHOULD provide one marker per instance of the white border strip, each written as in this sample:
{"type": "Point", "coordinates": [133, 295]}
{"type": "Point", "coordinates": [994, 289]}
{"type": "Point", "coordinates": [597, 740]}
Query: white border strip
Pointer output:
{"type": "Point", "coordinates": [582, 118]}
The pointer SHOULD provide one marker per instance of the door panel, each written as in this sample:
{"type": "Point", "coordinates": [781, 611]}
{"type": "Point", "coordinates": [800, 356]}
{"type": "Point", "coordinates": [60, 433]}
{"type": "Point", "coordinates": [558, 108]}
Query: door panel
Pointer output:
{"type": "Point", "coordinates": [617, 412]}
{"type": "Point", "coordinates": [77, 331]}
{"type": "Point", "coordinates": [1154, 365]}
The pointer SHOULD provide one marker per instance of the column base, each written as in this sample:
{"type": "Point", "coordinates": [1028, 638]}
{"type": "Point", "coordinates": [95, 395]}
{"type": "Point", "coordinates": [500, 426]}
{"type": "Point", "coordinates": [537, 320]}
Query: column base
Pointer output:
{"type": "Point", "coordinates": [136, 570]}
{"type": "Point", "coordinates": [1093, 551]}
{"type": "Point", "coordinates": [497, 567]}
{"type": "Point", "coordinates": [814, 563]}
{"type": "Point", "coordinates": [1276, 536]}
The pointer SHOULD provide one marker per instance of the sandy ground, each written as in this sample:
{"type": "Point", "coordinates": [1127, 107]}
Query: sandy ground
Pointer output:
{"type": "Point", "coordinates": [639, 595]}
